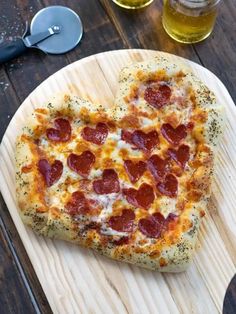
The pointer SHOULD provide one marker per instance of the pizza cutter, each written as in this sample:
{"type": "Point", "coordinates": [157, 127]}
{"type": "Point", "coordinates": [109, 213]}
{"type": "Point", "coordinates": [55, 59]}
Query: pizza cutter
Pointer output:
{"type": "Point", "coordinates": [54, 30]}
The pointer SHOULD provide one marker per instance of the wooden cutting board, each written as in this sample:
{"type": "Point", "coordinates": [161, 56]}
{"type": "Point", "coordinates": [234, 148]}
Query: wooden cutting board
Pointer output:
{"type": "Point", "coordinates": [76, 280]}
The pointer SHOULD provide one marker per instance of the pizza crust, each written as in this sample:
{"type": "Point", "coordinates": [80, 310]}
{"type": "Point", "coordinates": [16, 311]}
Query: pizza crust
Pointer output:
{"type": "Point", "coordinates": [52, 223]}
{"type": "Point", "coordinates": [214, 126]}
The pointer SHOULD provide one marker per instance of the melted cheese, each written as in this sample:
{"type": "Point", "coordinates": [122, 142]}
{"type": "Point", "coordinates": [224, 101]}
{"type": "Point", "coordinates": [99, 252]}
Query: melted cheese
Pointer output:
{"type": "Point", "coordinates": [111, 155]}
{"type": "Point", "coordinates": [110, 150]}
{"type": "Point", "coordinates": [167, 205]}
{"type": "Point", "coordinates": [110, 232]}
{"type": "Point", "coordinates": [146, 122]}
{"type": "Point", "coordinates": [106, 201]}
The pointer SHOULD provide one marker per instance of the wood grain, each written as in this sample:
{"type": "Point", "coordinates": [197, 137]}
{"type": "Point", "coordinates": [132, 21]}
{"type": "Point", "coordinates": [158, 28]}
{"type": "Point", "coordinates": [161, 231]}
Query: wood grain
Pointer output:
{"type": "Point", "coordinates": [78, 280]}
{"type": "Point", "coordinates": [217, 53]}
{"type": "Point", "coordinates": [143, 29]}
{"type": "Point", "coordinates": [24, 284]}
{"type": "Point", "coordinates": [11, 277]}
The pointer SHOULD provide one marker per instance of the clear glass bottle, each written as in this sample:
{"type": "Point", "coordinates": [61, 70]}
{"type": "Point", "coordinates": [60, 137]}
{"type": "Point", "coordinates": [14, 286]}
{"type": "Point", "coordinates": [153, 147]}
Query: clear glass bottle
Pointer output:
{"type": "Point", "coordinates": [133, 4]}
{"type": "Point", "coordinates": [189, 21]}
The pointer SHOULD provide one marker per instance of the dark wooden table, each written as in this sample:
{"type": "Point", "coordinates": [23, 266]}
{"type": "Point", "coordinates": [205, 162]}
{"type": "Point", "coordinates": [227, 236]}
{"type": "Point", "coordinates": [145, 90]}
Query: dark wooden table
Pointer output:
{"type": "Point", "coordinates": [106, 27]}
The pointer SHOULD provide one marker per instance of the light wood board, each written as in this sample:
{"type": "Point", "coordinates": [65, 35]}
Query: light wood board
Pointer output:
{"type": "Point", "coordinates": [77, 280]}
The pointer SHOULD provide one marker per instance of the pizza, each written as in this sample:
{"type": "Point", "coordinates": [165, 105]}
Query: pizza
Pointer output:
{"type": "Point", "coordinates": [131, 179]}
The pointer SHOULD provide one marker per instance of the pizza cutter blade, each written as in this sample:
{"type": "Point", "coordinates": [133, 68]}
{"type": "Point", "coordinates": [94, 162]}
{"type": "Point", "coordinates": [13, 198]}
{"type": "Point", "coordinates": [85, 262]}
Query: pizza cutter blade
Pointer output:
{"type": "Point", "coordinates": [54, 30]}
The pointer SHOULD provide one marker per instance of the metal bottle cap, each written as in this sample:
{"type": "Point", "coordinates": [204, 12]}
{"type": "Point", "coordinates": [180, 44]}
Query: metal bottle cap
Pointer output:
{"type": "Point", "coordinates": [70, 26]}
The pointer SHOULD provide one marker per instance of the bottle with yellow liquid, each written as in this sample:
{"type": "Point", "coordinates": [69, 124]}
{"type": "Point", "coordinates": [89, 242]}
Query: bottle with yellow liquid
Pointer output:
{"type": "Point", "coordinates": [189, 21]}
{"type": "Point", "coordinates": [133, 4]}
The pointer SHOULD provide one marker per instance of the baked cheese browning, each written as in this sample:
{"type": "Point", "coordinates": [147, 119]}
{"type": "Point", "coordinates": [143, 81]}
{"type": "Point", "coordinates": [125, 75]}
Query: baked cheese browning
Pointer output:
{"type": "Point", "coordinates": [149, 173]}
{"type": "Point", "coordinates": [35, 189]}
{"type": "Point", "coordinates": [131, 181]}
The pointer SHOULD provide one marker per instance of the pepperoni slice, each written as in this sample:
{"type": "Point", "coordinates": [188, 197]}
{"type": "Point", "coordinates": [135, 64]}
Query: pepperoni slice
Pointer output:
{"type": "Point", "coordinates": [158, 166]}
{"type": "Point", "coordinates": [51, 173]}
{"type": "Point", "coordinates": [150, 227]}
{"type": "Point", "coordinates": [157, 97]}
{"type": "Point", "coordinates": [126, 136]}
{"type": "Point", "coordinates": [78, 204]}
{"type": "Point", "coordinates": [81, 164]}
{"type": "Point", "coordinates": [170, 221]}
{"type": "Point", "coordinates": [143, 197]}
{"type": "Point", "coordinates": [190, 125]}
{"type": "Point", "coordinates": [121, 241]}
{"type": "Point", "coordinates": [170, 218]}
{"type": "Point", "coordinates": [97, 136]}
{"type": "Point", "coordinates": [145, 141]}
{"type": "Point", "coordinates": [61, 132]}
{"type": "Point", "coordinates": [169, 186]}
{"type": "Point", "coordinates": [93, 225]}
{"type": "Point", "coordinates": [172, 135]}
{"type": "Point", "coordinates": [181, 155]}
{"type": "Point", "coordinates": [108, 184]}
{"type": "Point", "coordinates": [159, 218]}
{"type": "Point", "coordinates": [123, 223]}
{"type": "Point", "coordinates": [154, 225]}
{"type": "Point", "coordinates": [134, 169]}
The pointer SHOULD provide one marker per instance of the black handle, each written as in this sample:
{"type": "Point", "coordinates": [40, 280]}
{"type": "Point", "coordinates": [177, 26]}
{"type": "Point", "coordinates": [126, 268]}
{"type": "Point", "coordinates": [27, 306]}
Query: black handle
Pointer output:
{"type": "Point", "coordinates": [12, 50]}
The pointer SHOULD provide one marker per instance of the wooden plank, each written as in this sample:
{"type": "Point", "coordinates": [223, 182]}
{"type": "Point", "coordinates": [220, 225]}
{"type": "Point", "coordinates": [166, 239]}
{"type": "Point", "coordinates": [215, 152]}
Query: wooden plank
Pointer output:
{"type": "Point", "coordinates": [9, 101]}
{"type": "Point", "coordinates": [28, 71]}
{"type": "Point", "coordinates": [217, 53]}
{"type": "Point", "coordinates": [143, 29]}
{"type": "Point", "coordinates": [29, 293]}
{"type": "Point", "coordinates": [14, 297]}
{"type": "Point", "coordinates": [75, 279]}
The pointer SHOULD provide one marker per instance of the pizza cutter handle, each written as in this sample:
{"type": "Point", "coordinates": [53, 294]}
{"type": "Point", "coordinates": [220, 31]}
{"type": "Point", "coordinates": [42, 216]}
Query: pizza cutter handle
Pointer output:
{"type": "Point", "coordinates": [12, 50]}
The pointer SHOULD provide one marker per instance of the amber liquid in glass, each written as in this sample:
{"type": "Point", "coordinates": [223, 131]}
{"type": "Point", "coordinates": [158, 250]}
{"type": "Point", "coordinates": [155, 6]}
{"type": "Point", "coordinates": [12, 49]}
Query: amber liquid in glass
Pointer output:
{"type": "Point", "coordinates": [188, 24]}
{"type": "Point", "coordinates": [132, 4]}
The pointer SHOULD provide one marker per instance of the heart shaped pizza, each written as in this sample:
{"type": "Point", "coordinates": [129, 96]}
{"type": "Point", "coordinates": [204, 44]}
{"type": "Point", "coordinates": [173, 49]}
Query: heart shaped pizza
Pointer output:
{"type": "Point", "coordinates": [132, 180]}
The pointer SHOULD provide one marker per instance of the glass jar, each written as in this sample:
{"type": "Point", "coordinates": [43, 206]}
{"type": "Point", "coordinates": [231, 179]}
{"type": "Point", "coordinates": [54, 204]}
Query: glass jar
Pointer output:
{"type": "Point", "coordinates": [189, 21]}
{"type": "Point", "coordinates": [133, 4]}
